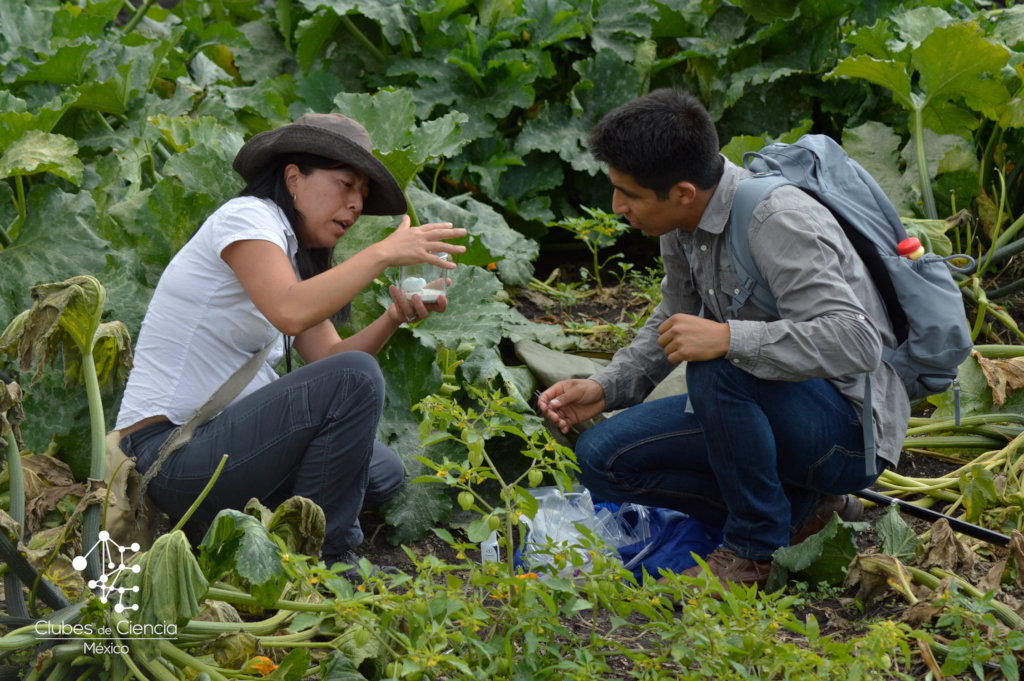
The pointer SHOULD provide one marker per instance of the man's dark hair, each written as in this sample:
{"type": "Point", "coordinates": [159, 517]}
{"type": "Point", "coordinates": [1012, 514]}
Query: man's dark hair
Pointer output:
{"type": "Point", "coordinates": [660, 139]}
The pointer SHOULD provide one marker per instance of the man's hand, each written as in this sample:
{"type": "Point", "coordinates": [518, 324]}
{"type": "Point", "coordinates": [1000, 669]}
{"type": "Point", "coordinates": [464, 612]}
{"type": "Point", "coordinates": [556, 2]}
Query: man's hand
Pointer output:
{"type": "Point", "coordinates": [567, 403]}
{"type": "Point", "coordinates": [685, 337]}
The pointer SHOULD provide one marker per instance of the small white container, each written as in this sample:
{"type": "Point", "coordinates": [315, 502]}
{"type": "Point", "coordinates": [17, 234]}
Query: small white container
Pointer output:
{"type": "Point", "coordinates": [427, 281]}
{"type": "Point", "coordinates": [489, 552]}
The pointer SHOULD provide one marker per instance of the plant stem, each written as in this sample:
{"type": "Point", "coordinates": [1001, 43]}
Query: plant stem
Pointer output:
{"type": "Point", "coordinates": [363, 40]}
{"type": "Point", "coordinates": [183, 659]}
{"type": "Point", "coordinates": [16, 486]}
{"type": "Point", "coordinates": [17, 563]}
{"type": "Point", "coordinates": [139, 14]}
{"type": "Point", "coordinates": [922, 165]}
{"type": "Point", "coordinates": [202, 495]}
{"type": "Point", "coordinates": [97, 461]}
{"type": "Point", "coordinates": [218, 594]}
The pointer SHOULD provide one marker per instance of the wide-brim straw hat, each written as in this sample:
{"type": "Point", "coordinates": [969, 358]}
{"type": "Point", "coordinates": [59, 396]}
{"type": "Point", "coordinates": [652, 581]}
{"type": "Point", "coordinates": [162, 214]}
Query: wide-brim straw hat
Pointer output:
{"type": "Point", "coordinates": [332, 136]}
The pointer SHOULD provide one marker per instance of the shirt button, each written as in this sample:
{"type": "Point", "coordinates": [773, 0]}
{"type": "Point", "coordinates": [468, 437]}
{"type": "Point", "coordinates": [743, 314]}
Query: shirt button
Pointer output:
{"type": "Point", "coordinates": [735, 361]}
{"type": "Point", "coordinates": [735, 291]}
{"type": "Point", "coordinates": [703, 247]}
{"type": "Point", "coordinates": [711, 291]}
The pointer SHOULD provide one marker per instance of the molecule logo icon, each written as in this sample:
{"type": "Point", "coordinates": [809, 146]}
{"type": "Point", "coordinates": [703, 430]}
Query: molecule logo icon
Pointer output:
{"type": "Point", "coordinates": [111, 571]}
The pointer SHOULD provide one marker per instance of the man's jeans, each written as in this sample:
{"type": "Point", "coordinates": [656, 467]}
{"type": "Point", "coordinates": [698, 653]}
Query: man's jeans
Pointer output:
{"type": "Point", "coordinates": [310, 433]}
{"type": "Point", "coordinates": [753, 457]}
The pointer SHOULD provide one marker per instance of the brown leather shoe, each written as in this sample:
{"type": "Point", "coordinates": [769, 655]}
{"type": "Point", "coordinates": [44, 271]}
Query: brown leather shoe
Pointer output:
{"type": "Point", "coordinates": [848, 507]}
{"type": "Point", "coordinates": [730, 568]}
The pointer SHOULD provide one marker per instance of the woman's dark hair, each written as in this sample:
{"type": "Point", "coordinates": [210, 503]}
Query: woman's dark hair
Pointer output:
{"type": "Point", "coordinates": [660, 139]}
{"type": "Point", "coordinates": [269, 183]}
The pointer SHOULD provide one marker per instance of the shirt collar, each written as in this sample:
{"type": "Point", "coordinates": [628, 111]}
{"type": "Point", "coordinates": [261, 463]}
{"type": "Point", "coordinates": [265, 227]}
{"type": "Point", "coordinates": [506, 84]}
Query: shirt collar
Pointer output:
{"type": "Point", "coordinates": [716, 213]}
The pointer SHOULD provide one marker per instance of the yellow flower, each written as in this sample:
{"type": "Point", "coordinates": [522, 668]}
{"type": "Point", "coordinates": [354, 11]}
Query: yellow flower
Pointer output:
{"type": "Point", "coordinates": [259, 665]}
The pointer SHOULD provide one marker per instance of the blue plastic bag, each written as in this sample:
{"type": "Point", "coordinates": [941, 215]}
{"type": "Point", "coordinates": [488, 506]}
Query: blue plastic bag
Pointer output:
{"type": "Point", "coordinates": [673, 536]}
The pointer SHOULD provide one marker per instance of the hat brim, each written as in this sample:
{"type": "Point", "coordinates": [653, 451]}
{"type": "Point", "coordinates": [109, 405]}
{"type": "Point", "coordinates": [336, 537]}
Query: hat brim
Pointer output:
{"type": "Point", "coordinates": [385, 196]}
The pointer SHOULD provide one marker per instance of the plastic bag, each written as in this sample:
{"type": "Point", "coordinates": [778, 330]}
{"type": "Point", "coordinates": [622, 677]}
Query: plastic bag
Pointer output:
{"type": "Point", "coordinates": [672, 538]}
{"type": "Point", "coordinates": [646, 538]}
{"type": "Point", "coordinates": [555, 528]}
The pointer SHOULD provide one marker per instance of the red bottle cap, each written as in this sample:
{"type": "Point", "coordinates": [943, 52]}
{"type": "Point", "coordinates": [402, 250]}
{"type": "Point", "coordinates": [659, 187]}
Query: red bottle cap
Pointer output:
{"type": "Point", "coordinates": [909, 246]}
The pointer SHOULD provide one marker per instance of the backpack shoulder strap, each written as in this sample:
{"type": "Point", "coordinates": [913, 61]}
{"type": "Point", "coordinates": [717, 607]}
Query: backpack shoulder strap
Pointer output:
{"type": "Point", "coordinates": [752, 286]}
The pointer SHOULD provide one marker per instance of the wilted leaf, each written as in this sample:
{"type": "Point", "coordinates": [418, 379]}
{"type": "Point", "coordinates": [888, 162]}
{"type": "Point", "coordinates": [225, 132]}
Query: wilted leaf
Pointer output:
{"type": "Point", "coordinates": [61, 574]}
{"type": "Point", "coordinates": [64, 316]}
{"type": "Point", "coordinates": [872, 572]}
{"type": "Point", "coordinates": [301, 524]}
{"type": "Point", "coordinates": [217, 611]}
{"type": "Point", "coordinates": [1004, 376]}
{"type": "Point", "coordinates": [232, 650]}
{"type": "Point", "coordinates": [1017, 552]}
{"type": "Point", "coordinates": [11, 411]}
{"type": "Point", "coordinates": [945, 550]}
{"type": "Point", "coordinates": [171, 584]}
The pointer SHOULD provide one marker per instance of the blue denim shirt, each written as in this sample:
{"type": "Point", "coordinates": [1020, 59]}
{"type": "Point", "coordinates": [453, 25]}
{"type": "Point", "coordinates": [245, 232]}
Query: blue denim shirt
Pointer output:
{"type": "Point", "coordinates": [833, 324]}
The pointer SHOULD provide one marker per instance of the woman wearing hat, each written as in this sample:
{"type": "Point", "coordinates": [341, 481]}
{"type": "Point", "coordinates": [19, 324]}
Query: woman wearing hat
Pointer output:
{"type": "Point", "coordinates": [260, 269]}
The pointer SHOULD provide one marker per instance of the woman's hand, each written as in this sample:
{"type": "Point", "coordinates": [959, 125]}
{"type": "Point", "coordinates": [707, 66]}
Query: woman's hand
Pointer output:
{"type": "Point", "coordinates": [412, 308]}
{"type": "Point", "coordinates": [409, 245]}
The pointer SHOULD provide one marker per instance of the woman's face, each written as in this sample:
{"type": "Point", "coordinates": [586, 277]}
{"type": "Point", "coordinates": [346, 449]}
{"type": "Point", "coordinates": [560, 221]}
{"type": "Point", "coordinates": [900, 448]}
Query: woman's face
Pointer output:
{"type": "Point", "coordinates": [329, 201]}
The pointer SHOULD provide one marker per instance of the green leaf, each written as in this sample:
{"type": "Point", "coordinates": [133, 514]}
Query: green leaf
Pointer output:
{"type": "Point", "coordinates": [201, 169]}
{"type": "Point", "coordinates": [389, 15]}
{"type": "Point", "coordinates": [311, 36]}
{"type": "Point", "coordinates": [825, 556]}
{"type": "Point", "coordinates": [876, 147]}
{"type": "Point", "coordinates": [888, 74]}
{"type": "Point", "coordinates": [38, 152]}
{"type": "Point", "coordinates": [553, 21]}
{"type": "Point", "coordinates": [511, 252]}
{"type": "Point", "coordinates": [978, 489]}
{"type": "Point", "coordinates": [293, 667]}
{"type": "Point", "coordinates": [620, 25]}
{"type": "Point", "coordinates": [337, 667]}
{"type": "Point", "coordinates": [170, 583]}
{"type": "Point", "coordinates": [16, 118]}
{"type": "Point", "coordinates": [957, 62]}
{"type": "Point", "coordinates": [238, 542]}
{"type": "Point", "coordinates": [417, 508]}
{"type": "Point", "coordinates": [897, 538]}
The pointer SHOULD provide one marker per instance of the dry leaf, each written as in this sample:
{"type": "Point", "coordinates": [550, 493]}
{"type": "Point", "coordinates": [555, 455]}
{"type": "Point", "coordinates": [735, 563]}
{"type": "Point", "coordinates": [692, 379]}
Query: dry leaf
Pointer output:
{"type": "Point", "coordinates": [920, 613]}
{"type": "Point", "coordinates": [992, 581]}
{"type": "Point", "coordinates": [1017, 552]}
{"type": "Point", "coordinates": [1003, 376]}
{"type": "Point", "coordinates": [944, 550]}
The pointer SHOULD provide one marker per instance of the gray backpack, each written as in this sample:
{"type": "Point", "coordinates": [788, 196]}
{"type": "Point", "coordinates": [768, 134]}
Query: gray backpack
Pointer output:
{"type": "Point", "coordinates": [921, 297]}
{"type": "Point", "coordinates": [923, 301]}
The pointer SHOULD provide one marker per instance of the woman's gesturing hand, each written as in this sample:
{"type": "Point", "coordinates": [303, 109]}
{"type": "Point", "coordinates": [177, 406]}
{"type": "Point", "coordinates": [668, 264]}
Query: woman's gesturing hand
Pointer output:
{"type": "Point", "coordinates": [409, 245]}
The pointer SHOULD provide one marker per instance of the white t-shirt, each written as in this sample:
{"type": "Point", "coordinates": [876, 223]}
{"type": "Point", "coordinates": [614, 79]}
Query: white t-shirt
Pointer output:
{"type": "Point", "coordinates": [200, 325]}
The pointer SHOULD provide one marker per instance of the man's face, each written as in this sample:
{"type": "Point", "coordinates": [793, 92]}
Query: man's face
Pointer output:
{"type": "Point", "coordinates": [642, 207]}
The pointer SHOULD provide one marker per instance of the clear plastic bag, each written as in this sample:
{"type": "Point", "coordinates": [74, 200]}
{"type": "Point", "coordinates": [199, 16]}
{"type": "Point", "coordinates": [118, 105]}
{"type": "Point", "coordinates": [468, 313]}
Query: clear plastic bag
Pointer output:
{"type": "Point", "coordinates": [556, 527]}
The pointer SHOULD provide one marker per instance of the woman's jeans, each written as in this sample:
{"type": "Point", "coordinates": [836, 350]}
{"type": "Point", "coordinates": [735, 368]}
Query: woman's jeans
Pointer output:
{"type": "Point", "coordinates": [752, 457]}
{"type": "Point", "coordinates": [309, 433]}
